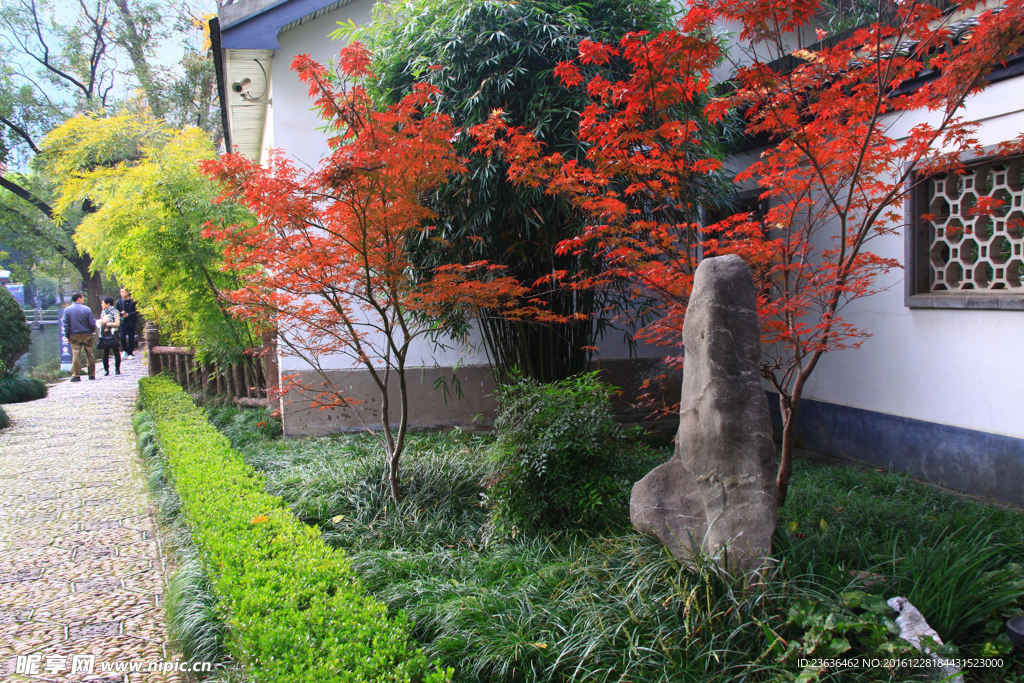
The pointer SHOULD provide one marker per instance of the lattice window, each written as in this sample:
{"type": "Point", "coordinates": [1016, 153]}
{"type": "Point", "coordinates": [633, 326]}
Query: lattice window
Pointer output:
{"type": "Point", "coordinates": [970, 252]}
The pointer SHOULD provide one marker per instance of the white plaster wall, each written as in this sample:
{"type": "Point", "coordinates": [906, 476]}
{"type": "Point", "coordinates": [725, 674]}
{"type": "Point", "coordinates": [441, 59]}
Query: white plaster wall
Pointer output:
{"type": "Point", "coordinates": [957, 367]}
{"type": "Point", "coordinates": [295, 122]}
{"type": "Point", "coordinates": [292, 127]}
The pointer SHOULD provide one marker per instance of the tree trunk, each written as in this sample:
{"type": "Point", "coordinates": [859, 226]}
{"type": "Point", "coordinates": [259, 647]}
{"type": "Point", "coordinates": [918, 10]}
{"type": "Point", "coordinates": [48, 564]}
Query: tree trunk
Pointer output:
{"type": "Point", "coordinates": [135, 46]}
{"type": "Point", "coordinates": [94, 292]}
{"type": "Point", "coordinates": [271, 370]}
{"type": "Point", "coordinates": [394, 485]}
{"type": "Point", "coordinates": [240, 388]}
{"type": "Point", "coordinates": [788, 408]}
{"type": "Point", "coordinates": [205, 97]}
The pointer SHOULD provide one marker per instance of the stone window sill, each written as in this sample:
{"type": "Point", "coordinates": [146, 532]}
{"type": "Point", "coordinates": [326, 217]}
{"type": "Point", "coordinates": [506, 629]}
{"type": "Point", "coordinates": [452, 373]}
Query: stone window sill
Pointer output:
{"type": "Point", "coordinates": [1011, 301]}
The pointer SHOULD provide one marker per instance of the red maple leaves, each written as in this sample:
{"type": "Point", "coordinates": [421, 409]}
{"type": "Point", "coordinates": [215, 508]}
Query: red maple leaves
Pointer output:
{"type": "Point", "coordinates": [326, 261]}
{"type": "Point", "coordinates": [835, 171]}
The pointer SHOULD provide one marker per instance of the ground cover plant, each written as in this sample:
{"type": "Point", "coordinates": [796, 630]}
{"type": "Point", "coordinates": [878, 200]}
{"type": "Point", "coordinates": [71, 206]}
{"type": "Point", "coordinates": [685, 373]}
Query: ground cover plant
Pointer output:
{"type": "Point", "coordinates": [49, 372]}
{"type": "Point", "coordinates": [293, 606]}
{"type": "Point", "coordinates": [603, 603]}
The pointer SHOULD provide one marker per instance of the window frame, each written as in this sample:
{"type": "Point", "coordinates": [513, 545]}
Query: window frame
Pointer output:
{"type": "Point", "coordinates": [917, 288]}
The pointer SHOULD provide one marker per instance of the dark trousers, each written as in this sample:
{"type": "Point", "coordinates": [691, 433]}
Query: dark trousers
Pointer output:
{"type": "Point", "coordinates": [117, 359]}
{"type": "Point", "coordinates": [127, 337]}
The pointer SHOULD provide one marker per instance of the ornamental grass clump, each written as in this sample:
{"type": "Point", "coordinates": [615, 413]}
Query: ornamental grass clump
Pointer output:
{"type": "Point", "coordinates": [295, 610]}
{"type": "Point", "coordinates": [19, 388]}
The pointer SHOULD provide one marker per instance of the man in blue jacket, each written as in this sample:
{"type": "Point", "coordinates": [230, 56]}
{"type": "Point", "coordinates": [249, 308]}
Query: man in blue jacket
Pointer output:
{"type": "Point", "coordinates": [80, 328]}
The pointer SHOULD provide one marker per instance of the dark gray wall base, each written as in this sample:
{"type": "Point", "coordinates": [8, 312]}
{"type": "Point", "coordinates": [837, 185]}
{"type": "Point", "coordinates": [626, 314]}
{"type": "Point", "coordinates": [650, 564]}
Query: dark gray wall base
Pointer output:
{"type": "Point", "coordinates": [476, 409]}
{"type": "Point", "coordinates": [974, 462]}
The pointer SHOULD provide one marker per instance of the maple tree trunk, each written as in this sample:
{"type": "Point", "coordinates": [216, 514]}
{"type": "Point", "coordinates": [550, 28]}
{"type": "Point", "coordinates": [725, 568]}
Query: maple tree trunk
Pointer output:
{"type": "Point", "coordinates": [788, 407]}
{"type": "Point", "coordinates": [394, 486]}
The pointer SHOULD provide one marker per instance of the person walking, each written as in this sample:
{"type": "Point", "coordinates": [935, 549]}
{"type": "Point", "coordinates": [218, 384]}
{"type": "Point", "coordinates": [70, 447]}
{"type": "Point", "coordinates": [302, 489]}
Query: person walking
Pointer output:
{"type": "Point", "coordinates": [80, 327]}
{"type": "Point", "coordinates": [110, 320]}
{"type": "Point", "coordinates": [126, 307]}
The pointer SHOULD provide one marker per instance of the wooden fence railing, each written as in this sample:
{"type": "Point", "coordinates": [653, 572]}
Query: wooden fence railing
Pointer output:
{"type": "Point", "coordinates": [251, 381]}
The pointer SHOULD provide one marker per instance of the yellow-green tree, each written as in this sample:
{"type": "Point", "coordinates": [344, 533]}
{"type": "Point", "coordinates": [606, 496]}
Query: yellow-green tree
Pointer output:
{"type": "Point", "coordinates": [151, 204]}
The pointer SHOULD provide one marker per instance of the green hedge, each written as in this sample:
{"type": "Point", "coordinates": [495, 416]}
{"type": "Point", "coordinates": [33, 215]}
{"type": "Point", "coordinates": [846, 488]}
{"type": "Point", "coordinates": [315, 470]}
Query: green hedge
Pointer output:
{"type": "Point", "coordinates": [295, 609]}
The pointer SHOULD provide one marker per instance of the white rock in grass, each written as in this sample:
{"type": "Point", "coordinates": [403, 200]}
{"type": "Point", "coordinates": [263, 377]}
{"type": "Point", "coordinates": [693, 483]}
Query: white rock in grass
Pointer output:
{"type": "Point", "coordinates": [914, 627]}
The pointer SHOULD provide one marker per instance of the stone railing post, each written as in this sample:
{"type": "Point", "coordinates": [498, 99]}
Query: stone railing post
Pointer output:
{"type": "Point", "coordinates": [152, 335]}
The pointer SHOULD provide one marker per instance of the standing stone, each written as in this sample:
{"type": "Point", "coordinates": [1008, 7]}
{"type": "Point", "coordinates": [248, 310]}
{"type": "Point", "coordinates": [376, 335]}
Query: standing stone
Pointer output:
{"type": "Point", "coordinates": [719, 487]}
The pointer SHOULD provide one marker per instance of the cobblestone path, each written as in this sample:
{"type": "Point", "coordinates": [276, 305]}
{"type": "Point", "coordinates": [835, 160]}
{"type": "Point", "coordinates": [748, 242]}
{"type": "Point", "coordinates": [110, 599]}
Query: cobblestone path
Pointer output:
{"type": "Point", "coordinates": [80, 566]}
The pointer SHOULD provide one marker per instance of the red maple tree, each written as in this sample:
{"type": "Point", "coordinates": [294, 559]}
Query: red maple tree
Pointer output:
{"type": "Point", "coordinates": [836, 170]}
{"type": "Point", "coordinates": [326, 261]}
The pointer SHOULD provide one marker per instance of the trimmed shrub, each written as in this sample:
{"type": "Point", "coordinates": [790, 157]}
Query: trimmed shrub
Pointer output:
{"type": "Point", "coordinates": [561, 460]}
{"type": "Point", "coordinates": [15, 335]}
{"type": "Point", "coordinates": [295, 609]}
{"type": "Point", "coordinates": [5, 421]}
{"type": "Point", "coordinates": [19, 388]}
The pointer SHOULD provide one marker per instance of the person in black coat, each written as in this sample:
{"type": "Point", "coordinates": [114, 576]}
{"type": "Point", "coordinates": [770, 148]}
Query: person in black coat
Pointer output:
{"type": "Point", "coordinates": [126, 308]}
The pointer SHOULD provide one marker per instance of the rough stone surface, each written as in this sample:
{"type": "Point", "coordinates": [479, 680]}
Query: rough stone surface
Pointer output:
{"type": "Point", "coordinates": [80, 565]}
{"type": "Point", "coordinates": [719, 487]}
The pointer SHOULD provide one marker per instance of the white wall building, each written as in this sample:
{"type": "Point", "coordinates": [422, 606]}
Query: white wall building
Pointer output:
{"type": "Point", "coordinates": [938, 389]}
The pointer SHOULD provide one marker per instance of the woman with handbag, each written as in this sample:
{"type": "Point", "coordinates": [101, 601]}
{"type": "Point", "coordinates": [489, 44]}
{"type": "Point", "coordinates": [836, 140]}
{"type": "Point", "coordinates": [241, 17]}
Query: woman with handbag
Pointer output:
{"type": "Point", "coordinates": [109, 321]}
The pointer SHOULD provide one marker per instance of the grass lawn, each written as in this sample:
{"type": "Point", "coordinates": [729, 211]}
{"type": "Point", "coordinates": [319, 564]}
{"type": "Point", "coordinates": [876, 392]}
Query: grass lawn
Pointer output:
{"type": "Point", "coordinates": [612, 605]}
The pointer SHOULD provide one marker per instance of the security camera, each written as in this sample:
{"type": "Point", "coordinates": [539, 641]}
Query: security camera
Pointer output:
{"type": "Point", "coordinates": [242, 87]}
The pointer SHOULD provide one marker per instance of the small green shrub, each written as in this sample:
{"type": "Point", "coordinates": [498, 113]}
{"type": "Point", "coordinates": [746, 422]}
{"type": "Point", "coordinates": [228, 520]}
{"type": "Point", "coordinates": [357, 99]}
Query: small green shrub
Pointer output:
{"type": "Point", "coordinates": [49, 372]}
{"type": "Point", "coordinates": [242, 425]}
{"type": "Point", "coordinates": [294, 608]}
{"type": "Point", "coordinates": [19, 388]}
{"type": "Point", "coordinates": [15, 335]}
{"type": "Point", "coordinates": [560, 458]}
{"type": "Point", "coordinates": [5, 421]}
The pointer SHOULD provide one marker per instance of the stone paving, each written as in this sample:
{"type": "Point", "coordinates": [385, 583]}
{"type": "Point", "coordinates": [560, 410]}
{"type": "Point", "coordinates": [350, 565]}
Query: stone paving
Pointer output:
{"type": "Point", "coordinates": [80, 564]}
